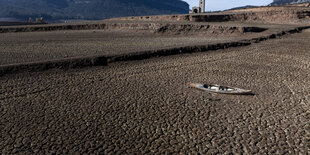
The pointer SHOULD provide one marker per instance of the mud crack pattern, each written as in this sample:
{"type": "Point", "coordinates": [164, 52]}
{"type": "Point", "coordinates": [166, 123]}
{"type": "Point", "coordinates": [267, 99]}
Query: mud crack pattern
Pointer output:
{"type": "Point", "coordinates": [147, 106]}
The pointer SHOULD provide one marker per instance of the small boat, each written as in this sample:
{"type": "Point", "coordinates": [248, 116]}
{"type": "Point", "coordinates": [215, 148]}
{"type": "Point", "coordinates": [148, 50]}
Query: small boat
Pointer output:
{"type": "Point", "coordinates": [221, 89]}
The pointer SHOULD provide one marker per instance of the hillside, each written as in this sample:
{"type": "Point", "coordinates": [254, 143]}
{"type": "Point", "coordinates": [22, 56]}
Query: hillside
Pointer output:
{"type": "Point", "coordinates": [283, 2]}
{"type": "Point", "coordinates": [89, 9]}
{"type": "Point", "coordinates": [242, 7]}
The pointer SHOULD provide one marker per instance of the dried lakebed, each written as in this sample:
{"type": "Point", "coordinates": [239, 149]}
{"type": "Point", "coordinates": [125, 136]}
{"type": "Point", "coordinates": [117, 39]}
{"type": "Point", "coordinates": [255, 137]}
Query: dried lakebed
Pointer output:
{"type": "Point", "coordinates": [117, 38]}
{"type": "Point", "coordinates": [147, 106]}
{"type": "Point", "coordinates": [37, 51]}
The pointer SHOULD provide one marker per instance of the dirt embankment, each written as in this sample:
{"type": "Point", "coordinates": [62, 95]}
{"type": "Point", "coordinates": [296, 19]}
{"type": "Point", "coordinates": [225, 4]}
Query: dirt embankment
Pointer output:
{"type": "Point", "coordinates": [205, 29]}
{"type": "Point", "coordinates": [160, 28]}
{"type": "Point", "coordinates": [282, 15]}
{"type": "Point", "coordinates": [61, 64]}
{"type": "Point", "coordinates": [3, 23]}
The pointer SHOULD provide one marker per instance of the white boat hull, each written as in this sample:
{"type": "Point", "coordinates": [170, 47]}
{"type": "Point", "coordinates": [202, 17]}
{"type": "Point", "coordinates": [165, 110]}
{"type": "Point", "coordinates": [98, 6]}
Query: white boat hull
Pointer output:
{"type": "Point", "coordinates": [220, 89]}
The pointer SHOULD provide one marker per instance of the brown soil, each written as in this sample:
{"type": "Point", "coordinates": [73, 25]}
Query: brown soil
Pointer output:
{"type": "Point", "coordinates": [147, 106]}
{"type": "Point", "coordinates": [292, 14]}
{"type": "Point", "coordinates": [130, 26]}
{"type": "Point", "coordinates": [3, 23]}
{"type": "Point", "coordinates": [43, 46]}
{"type": "Point", "coordinates": [37, 51]}
{"type": "Point", "coordinates": [127, 103]}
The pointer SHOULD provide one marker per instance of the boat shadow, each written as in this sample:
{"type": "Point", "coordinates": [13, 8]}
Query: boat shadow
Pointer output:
{"type": "Point", "coordinates": [247, 94]}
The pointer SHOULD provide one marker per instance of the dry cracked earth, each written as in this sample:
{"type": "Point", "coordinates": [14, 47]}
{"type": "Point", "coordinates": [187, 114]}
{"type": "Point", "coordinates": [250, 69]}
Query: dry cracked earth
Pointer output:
{"type": "Point", "coordinates": [29, 47]}
{"type": "Point", "coordinates": [26, 47]}
{"type": "Point", "coordinates": [147, 106]}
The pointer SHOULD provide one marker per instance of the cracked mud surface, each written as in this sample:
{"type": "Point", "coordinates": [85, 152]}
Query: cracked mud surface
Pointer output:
{"type": "Point", "coordinates": [147, 106]}
{"type": "Point", "coordinates": [40, 46]}
{"type": "Point", "coordinates": [25, 47]}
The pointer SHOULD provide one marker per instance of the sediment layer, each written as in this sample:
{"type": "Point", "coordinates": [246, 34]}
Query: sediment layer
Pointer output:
{"type": "Point", "coordinates": [61, 64]}
{"type": "Point", "coordinates": [105, 60]}
{"type": "Point", "coordinates": [281, 15]}
{"type": "Point", "coordinates": [153, 27]}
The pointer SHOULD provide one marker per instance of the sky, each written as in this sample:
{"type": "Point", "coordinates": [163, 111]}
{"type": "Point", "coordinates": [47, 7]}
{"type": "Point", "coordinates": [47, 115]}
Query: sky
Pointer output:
{"type": "Point", "coordinates": [215, 5]}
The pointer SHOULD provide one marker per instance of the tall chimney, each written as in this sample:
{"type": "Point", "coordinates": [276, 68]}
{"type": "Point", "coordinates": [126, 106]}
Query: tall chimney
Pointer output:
{"type": "Point", "coordinates": [202, 5]}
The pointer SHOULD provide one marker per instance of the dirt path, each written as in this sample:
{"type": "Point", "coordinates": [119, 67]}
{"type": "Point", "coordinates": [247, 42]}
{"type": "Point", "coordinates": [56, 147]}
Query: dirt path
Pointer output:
{"type": "Point", "coordinates": [147, 106]}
